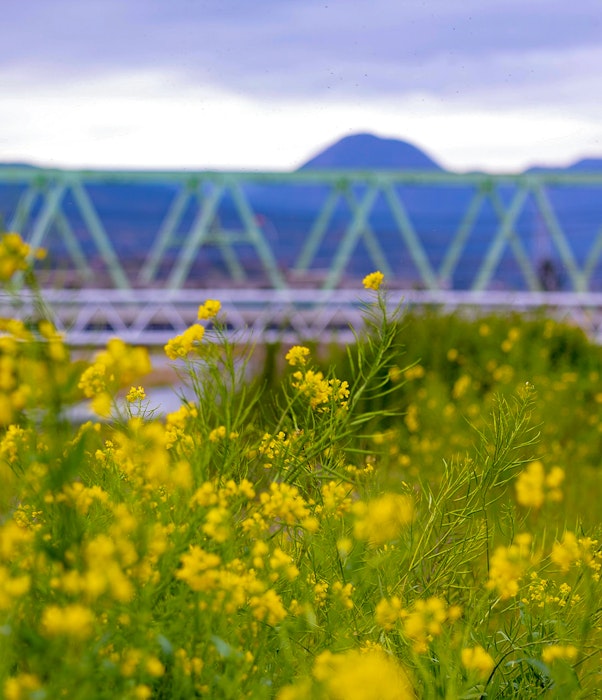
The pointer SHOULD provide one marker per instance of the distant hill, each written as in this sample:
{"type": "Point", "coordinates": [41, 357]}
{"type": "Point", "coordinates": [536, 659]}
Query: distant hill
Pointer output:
{"type": "Point", "coordinates": [590, 165]}
{"type": "Point", "coordinates": [585, 165]}
{"type": "Point", "coordinates": [133, 214]}
{"type": "Point", "coordinates": [19, 166]}
{"type": "Point", "coordinates": [369, 152]}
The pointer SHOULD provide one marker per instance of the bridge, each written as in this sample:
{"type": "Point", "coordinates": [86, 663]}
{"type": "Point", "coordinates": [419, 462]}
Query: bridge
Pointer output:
{"type": "Point", "coordinates": [133, 253]}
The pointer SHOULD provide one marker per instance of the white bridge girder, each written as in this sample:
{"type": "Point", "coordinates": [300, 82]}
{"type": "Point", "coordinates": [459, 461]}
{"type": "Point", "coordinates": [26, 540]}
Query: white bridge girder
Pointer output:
{"type": "Point", "coordinates": [90, 317]}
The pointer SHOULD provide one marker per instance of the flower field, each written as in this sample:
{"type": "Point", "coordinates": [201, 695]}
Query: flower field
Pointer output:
{"type": "Point", "coordinates": [414, 517]}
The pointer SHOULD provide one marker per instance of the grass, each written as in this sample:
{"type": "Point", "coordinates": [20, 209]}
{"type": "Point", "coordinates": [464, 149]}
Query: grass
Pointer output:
{"type": "Point", "coordinates": [416, 517]}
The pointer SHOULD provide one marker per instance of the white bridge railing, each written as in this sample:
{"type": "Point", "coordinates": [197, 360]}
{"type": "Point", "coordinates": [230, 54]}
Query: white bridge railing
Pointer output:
{"type": "Point", "coordinates": [90, 317]}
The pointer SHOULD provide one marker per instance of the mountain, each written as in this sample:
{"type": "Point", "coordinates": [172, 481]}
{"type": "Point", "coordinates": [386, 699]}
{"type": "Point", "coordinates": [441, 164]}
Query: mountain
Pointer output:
{"type": "Point", "coordinates": [369, 152]}
{"type": "Point", "coordinates": [133, 215]}
{"type": "Point", "coordinates": [585, 165]}
{"type": "Point", "coordinates": [19, 166]}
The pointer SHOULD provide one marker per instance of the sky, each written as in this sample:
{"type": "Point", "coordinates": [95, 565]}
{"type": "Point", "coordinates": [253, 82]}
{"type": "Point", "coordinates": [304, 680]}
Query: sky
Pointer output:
{"type": "Point", "coordinates": [492, 85]}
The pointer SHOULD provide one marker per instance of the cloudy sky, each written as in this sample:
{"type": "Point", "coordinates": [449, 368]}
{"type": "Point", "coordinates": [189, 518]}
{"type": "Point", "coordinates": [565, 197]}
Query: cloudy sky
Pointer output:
{"type": "Point", "coordinates": [495, 85]}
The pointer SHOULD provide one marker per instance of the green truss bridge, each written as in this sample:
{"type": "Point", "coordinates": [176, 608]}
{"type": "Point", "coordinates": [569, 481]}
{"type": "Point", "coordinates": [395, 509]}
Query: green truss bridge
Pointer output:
{"type": "Point", "coordinates": [133, 253]}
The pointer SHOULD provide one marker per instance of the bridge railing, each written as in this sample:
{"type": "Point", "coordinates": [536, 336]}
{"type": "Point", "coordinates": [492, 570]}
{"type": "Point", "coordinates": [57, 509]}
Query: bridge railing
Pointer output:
{"type": "Point", "coordinates": [90, 317]}
{"type": "Point", "coordinates": [133, 253]}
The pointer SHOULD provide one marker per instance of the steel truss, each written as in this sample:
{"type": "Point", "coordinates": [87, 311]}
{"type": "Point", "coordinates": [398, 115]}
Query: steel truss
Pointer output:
{"type": "Point", "coordinates": [41, 214]}
{"type": "Point", "coordinates": [305, 301]}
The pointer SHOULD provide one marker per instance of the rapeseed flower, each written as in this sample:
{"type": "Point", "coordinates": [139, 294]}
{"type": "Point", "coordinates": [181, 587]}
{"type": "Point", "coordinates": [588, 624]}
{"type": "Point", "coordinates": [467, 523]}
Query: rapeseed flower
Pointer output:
{"type": "Point", "coordinates": [554, 652]}
{"type": "Point", "coordinates": [529, 485]}
{"type": "Point", "coordinates": [388, 613]}
{"type": "Point", "coordinates": [508, 565]}
{"type": "Point", "coordinates": [362, 675]}
{"type": "Point", "coordinates": [477, 659]}
{"type": "Point", "coordinates": [182, 345]}
{"type": "Point", "coordinates": [15, 443]}
{"type": "Point", "coordinates": [112, 368]}
{"type": "Point", "coordinates": [15, 255]}
{"type": "Point", "coordinates": [297, 356]}
{"type": "Point", "coordinates": [22, 687]}
{"type": "Point", "coordinates": [283, 504]}
{"type": "Point", "coordinates": [336, 497]}
{"type": "Point", "coordinates": [578, 552]}
{"type": "Point", "coordinates": [209, 309]}
{"type": "Point", "coordinates": [75, 621]}
{"type": "Point", "coordinates": [282, 563]}
{"type": "Point", "coordinates": [320, 591]}
{"type": "Point", "coordinates": [373, 280]}
{"type": "Point", "coordinates": [217, 524]}
{"type": "Point", "coordinates": [567, 552]}
{"type": "Point", "coordinates": [533, 486]}
{"type": "Point", "coordinates": [15, 540]}
{"type": "Point", "coordinates": [135, 394]}
{"type": "Point", "coordinates": [382, 519]}
{"type": "Point", "coordinates": [154, 667]}
{"type": "Point", "coordinates": [425, 619]}
{"type": "Point", "coordinates": [268, 606]}
{"type": "Point", "coordinates": [175, 428]}
{"type": "Point", "coordinates": [321, 391]}
{"type": "Point", "coordinates": [82, 497]}
{"type": "Point", "coordinates": [12, 587]}
{"type": "Point", "coordinates": [199, 569]}
{"type": "Point", "coordinates": [344, 592]}
{"type": "Point", "coordinates": [220, 433]}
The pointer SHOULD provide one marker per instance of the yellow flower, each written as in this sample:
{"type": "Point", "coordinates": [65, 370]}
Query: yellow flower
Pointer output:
{"type": "Point", "coordinates": [182, 345]}
{"type": "Point", "coordinates": [198, 569]}
{"type": "Point", "coordinates": [155, 667]}
{"type": "Point", "coordinates": [15, 255]}
{"type": "Point", "coordinates": [557, 651]}
{"type": "Point", "coordinates": [373, 280]}
{"type": "Point", "coordinates": [142, 692]}
{"type": "Point", "coordinates": [362, 675]}
{"type": "Point", "coordinates": [477, 659]}
{"type": "Point", "coordinates": [533, 486]}
{"type": "Point", "coordinates": [382, 519]}
{"type": "Point", "coordinates": [344, 593]}
{"type": "Point", "coordinates": [101, 404]}
{"type": "Point", "coordinates": [21, 687]}
{"type": "Point", "coordinates": [388, 613]}
{"type": "Point", "coordinates": [71, 621]}
{"type": "Point", "coordinates": [14, 443]}
{"type": "Point", "coordinates": [529, 485]}
{"type": "Point", "coordinates": [297, 355]}
{"type": "Point", "coordinates": [282, 563]}
{"type": "Point", "coordinates": [93, 380]}
{"type": "Point", "coordinates": [320, 391]}
{"type": "Point", "coordinates": [461, 386]}
{"type": "Point", "coordinates": [283, 504]}
{"type": "Point", "coordinates": [136, 394]}
{"type": "Point", "coordinates": [336, 497]}
{"type": "Point", "coordinates": [301, 690]}
{"type": "Point", "coordinates": [425, 620]}
{"type": "Point", "coordinates": [11, 588]}
{"type": "Point", "coordinates": [573, 551]}
{"type": "Point", "coordinates": [217, 434]}
{"type": "Point", "coordinates": [508, 565]}
{"type": "Point", "coordinates": [554, 479]}
{"type": "Point", "coordinates": [267, 606]}
{"type": "Point", "coordinates": [209, 309]}
{"type": "Point", "coordinates": [114, 367]}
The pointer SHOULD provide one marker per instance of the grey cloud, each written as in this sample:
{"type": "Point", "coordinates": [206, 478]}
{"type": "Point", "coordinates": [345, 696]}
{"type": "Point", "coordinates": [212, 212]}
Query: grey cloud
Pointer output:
{"type": "Point", "coordinates": [300, 48]}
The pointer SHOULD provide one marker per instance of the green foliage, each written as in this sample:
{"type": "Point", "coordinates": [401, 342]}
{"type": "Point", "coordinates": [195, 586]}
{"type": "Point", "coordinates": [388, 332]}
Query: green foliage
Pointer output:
{"type": "Point", "coordinates": [395, 524]}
